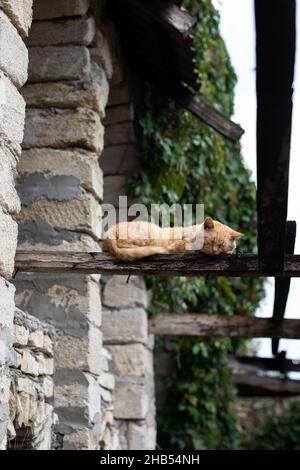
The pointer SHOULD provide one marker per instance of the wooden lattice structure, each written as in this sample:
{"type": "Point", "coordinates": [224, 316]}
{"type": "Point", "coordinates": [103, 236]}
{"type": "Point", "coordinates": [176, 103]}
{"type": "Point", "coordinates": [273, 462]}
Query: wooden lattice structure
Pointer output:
{"type": "Point", "coordinates": [156, 35]}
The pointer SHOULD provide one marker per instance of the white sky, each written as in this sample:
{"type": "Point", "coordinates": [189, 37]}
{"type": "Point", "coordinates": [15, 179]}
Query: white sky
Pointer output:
{"type": "Point", "coordinates": [238, 31]}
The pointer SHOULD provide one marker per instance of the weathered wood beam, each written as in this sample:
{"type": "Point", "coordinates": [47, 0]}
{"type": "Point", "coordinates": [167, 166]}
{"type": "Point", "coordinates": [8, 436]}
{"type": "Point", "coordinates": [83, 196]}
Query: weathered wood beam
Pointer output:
{"type": "Point", "coordinates": [188, 264]}
{"type": "Point", "coordinates": [205, 112]}
{"type": "Point", "coordinates": [200, 324]}
{"type": "Point", "coordinates": [275, 57]}
{"type": "Point", "coordinates": [254, 385]}
{"type": "Point", "coordinates": [254, 363]}
{"type": "Point", "coordinates": [282, 286]}
{"type": "Point", "coordinates": [163, 12]}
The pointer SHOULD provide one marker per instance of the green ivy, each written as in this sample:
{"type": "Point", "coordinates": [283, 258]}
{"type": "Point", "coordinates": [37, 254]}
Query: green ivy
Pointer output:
{"type": "Point", "coordinates": [185, 161]}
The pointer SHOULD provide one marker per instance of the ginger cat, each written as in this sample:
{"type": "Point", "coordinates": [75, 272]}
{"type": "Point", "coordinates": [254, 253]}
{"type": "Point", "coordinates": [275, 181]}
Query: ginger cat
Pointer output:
{"type": "Point", "coordinates": [133, 240]}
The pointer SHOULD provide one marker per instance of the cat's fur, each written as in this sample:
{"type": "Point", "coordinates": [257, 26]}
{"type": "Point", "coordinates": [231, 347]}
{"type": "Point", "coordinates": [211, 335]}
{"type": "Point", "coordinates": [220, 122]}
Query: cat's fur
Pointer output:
{"type": "Point", "coordinates": [137, 239]}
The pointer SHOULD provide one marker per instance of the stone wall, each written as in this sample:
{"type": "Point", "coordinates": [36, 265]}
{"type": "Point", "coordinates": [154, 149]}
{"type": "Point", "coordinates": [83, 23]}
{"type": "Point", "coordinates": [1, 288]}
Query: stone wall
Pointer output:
{"type": "Point", "coordinates": [252, 412]}
{"type": "Point", "coordinates": [31, 389]}
{"type": "Point", "coordinates": [125, 302]}
{"type": "Point", "coordinates": [103, 397]}
{"type": "Point", "coordinates": [15, 20]}
{"type": "Point", "coordinates": [60, 185]}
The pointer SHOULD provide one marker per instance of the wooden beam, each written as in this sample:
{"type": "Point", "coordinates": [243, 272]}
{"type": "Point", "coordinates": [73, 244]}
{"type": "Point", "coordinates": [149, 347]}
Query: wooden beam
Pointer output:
{"type": "Point", "coordinates": [275, 57]}
{"type": "Point", "coordinates": [254, 385]}
{"type": "Point", "coordinates": [195, 324]}
{"type": "Point", "coordinates": [205, 112]}
{"type": "Point", "coordinates": [188, 264]}
{"type": "Point", "coordinates": [282, 286]}
{"type": "Point", "coordinates": [163, 12]}
{"type": "Point", "coordinates": [255, 364]}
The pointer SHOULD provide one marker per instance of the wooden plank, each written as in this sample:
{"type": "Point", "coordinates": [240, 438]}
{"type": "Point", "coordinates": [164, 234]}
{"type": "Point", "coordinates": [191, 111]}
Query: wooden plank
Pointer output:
{"type": "Point", "coordinates": [195, 324]}
{"type": "Point", "coordinates": [255, 364]}
{"type": "Point", "coordinates": [187, 264]}
{"type": "Point", "coordinates": [275, 57]}
{"type": "Point", "coordinates": [254, 385]}
{"type": "Point", "coordinates": [206, 113]}
{"type": "Point", "coordinates": [282, 286]}
{"type": "Point", "coordinates": [164, 12]}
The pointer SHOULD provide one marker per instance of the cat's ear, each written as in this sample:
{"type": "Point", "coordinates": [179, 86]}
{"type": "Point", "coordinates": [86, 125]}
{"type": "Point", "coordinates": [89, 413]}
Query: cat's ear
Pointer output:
{"type": "Point", "coordinates": [235, 234]}
{"type": "Point", "coordinates": [208, 222]}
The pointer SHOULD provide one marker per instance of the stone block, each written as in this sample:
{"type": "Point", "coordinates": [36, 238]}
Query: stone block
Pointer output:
{"type": "Point", "coordinates": [124, 326]}
{"type": "Point", "coordinates": [4, 410]}
{"type": "Point", "coordinates": [118, 293]}
{"type": "Point", "coordinates": [85, 94]}
{"type": "Point", "coordinates": [79, 214]}
{"type": "Point", "coordinates": [77, 399]}
{"type": "Point", "coordinates": [8, 244]}
{"type": "Point", "coordinates": [26, 385]}
{"type": "Point", "coordinates": [20, 335]}
{"type": "Point", "coordinates": [131, 359]}
{"type": "Point", "coordinates": [47, 345]}
{"type": "Point", "coordinates": [43, 9]}
{"type": "Point", "coordinates": [12, 112]}
{"type": "Point", "coordinates": [48, 64]}
{"type": "Point", "coordinates": [80, 353]}
{"type": "Point", "coordinates": [9, 199]}
{"type": "Point", "coordinates": [121, 133]}
{"type": "Point", "coordinates": [7, 304]}
{"type": "Point", "coordinates": [141, 436]}
{"type": "Point", "coordinates": [131, 400]}
{"type": "Point", "coordinates": [119, 159]}
{"type": "Point", "coordinates": [47, 387]}
{"type": "Point", "coordinates": [79, 440]}
{"type": "Point", "coordinates": [45, 365]}
{"type": "Point", "coordinates": [63, 128]}
{"type": "Point", "coordinates": [29, 364]}
{"type": "Point", "coordinates": [81, 165]}
{"type": "Point", "coordinates": [117, 114]}
{"type": "Point", "coordinates": [80, 30]}
{"type": "Point", "coordinates": [36, 339]}
{"type": "Point", "coordinates": [15, 358]}
{"type": "Point", "coordinates": [106, 380]}
{"type": "Point", "coordinates": [68, 302]}
{"type": "Point", "coordinates": [19, 12]}
{"type": "Point", "coordinates": [114, 186]}
{"type": "Point", "coordinates": [14, 54]}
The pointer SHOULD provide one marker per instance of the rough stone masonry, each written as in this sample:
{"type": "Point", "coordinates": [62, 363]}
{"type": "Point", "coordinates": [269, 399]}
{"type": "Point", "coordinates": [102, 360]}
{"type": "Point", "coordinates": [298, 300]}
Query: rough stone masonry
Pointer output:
{"type": "Point", "coordinates": [103, 398]}
{"type": "Point", "coordinates": [15, 20]}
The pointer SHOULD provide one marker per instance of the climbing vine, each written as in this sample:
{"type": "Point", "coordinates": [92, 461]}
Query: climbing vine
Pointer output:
{"type": "Point", "coordinates": [185, 161]}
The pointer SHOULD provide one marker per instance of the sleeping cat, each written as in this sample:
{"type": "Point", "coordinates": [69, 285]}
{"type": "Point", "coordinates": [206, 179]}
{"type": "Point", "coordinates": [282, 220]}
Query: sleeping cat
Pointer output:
{"type": "Point", "coordinates": [137, 239]}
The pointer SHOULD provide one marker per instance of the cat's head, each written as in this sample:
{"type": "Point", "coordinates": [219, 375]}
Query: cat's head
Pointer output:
{"type": "Point", "coordinates": [218, 238]}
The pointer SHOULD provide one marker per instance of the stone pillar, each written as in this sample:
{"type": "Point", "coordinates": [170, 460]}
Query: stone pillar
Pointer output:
{"type": "Point", "coordinates": [60, 185]}
{"type": "Point", "coordinates": [125, 329]}
{"type": "Point", "coordinates": [15, 20]}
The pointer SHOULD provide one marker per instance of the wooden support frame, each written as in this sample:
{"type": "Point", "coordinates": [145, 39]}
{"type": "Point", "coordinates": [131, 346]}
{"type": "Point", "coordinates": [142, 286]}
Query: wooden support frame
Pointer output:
{"type": "Point", "coordinates": [254, 363]}
{"type": "Point", "coordinates": [199, 324]}
{"type": "Point", "coordinates": [282, 286]}
{"type": "Point", "coordinates": [206, 113]}
{"type": "Point", "coordinates": [255, 385]}
{"type": "Point", "coordinates": [275, 57]}
{"type": "Point", "coordinates": [188, 264]}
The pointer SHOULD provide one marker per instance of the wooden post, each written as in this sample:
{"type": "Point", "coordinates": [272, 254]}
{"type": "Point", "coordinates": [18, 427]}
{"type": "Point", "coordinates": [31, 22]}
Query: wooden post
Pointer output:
{"type": "Point", "coordinates": [275, 57]}
{"type": "Point", "coordinates": [282, 286]}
